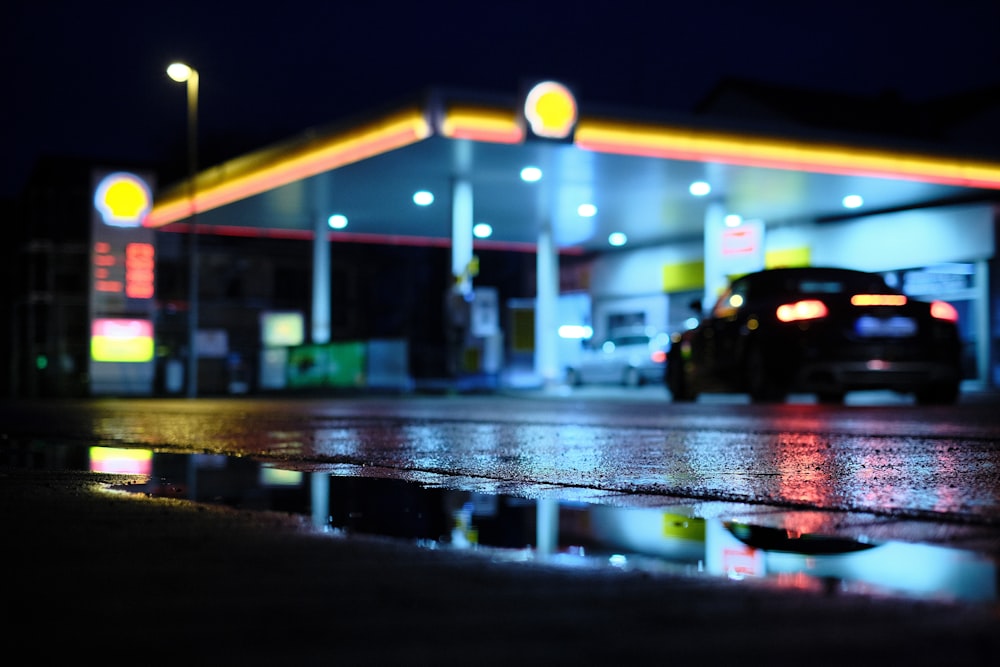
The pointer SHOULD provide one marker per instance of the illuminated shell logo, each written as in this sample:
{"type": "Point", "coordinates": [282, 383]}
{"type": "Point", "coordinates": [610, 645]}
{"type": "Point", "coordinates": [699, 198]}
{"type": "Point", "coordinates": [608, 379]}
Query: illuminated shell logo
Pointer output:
{"type": "Point", "coordinates": [550, 109]}
{"type": "Point", "coordinates": [123, 200]}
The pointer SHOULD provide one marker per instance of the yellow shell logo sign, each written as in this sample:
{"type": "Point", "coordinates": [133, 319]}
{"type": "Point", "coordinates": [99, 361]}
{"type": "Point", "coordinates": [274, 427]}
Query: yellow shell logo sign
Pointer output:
{"type": "Point", "coordinates": [550, 110]}
{"type": "Point", "coordinates": [123, 200]}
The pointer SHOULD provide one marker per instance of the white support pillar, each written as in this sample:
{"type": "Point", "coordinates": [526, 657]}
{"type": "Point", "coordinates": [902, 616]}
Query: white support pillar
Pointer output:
{"type": "Point", "coordinates": [320, 332]}
{"type": "Point", "coordinates": [319, 490]}
{"type": "Point", "coordinates": [715, 273]}
{"type": "Point", "coordinates": [461, 235]}
{"type": "Point", "coordinates": [459, 294]}
{"type": "Point", "coordinates": [546, 307]}
{"type": "Point", "coordinates": [546, 526]}
{"type": "Point", "coordinates": [981, 302]}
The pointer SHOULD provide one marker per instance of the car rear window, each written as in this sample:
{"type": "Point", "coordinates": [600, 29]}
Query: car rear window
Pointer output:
{"type": "Point", "coordinates": [631, 340]}
{"type": "Point", "coordinates": [818, 283]}
{"type": "Point", "coordinates": [851, 285]}
{"type": "Point", "coordinates": [820, 287]}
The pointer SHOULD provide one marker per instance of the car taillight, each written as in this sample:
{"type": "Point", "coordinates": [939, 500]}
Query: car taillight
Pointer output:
{"type": "Point", "coordinates": [807, 309]}
{"type": "Point", "coordinates": [943, 310]}
{"type": "Point", "coordinates": [658, 357]}
{"type": "Point", "coordinates": [878, 300]}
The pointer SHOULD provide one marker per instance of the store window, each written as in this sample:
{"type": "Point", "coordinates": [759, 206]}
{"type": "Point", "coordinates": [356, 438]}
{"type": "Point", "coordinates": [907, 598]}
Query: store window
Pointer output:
{"type": "Point", "coordinates": [956, 283]}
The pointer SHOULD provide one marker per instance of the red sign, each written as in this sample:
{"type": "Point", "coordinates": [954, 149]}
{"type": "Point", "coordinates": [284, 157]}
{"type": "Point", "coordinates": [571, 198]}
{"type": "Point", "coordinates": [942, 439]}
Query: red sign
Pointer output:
{"type": "Point", "coordinates": [139, 270]}
{"type": "Point", "coordinates": [132, 274]}
{"type": "Point", "coordinates": [104, 269]}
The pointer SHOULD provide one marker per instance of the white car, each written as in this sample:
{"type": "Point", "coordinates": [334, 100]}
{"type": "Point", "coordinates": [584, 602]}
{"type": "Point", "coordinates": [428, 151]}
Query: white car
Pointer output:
{"type": "Point", "coordinates": [628, 357]}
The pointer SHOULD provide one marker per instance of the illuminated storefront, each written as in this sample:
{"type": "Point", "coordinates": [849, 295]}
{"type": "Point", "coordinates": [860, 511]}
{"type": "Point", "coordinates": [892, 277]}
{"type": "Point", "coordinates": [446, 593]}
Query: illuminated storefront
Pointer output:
{"type": "Point", "coordinates": [667, 210]}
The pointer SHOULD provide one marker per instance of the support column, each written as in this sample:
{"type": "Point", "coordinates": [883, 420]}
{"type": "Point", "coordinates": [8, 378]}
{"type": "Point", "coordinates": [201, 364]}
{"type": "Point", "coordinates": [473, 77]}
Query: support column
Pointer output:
{"type": "Point", "coordinates": [715, 273]}
{"type": "Point", "coordinates": [319, 490]}
{"type": "Point", "coordinates": [458, 297]}
{"type": "Point", "coordinates": [981, 306]}
{"type": "Point", "coordinates": [320, 332]}
{"type": "Point", "coordinates": [546, 306]}
{"type": "Point", "coordinates": [461, 235]}
{"type": "Point", "coordinates": [546, 526]}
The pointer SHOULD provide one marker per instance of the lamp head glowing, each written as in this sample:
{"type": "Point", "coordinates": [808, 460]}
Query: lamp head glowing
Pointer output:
{"type": "Point", "coordinates": [617, 239]}
{"type": "Point", "coordinates": [531, 174]}
{"type": "Point", "coordinates": [853, 201]}
{"type": "Point", "coordinates": [179, 72]}
{"type": "Point", "coordinates": [699, 188]}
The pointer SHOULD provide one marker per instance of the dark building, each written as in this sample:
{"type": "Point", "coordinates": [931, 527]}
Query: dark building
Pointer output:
{"type": "Point", "coordinates": [46, 262]}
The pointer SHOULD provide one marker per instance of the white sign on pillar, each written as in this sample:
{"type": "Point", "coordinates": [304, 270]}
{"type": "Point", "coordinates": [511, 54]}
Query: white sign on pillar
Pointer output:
{"type": "Point", "coordinates": [715, 277]}
{"type": "Point", "coordinates": [485, 312]}
{"type": "Point", "coordinates": [742, 247]}
{"type": "Point", "coordinates": [461, 235]}
{"type": "Point", "coordinates": [733, 247]}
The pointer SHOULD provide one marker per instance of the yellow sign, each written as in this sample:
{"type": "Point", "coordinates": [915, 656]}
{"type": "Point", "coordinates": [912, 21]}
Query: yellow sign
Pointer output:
{"type": "Point", "coordinates": [684, 276]}
{"type": "Point", "coordinates": [121, 340]}
{"type": "Point", "coordinates": [123, 199]}
{"type": "Point", "coordinates": [550, 109]}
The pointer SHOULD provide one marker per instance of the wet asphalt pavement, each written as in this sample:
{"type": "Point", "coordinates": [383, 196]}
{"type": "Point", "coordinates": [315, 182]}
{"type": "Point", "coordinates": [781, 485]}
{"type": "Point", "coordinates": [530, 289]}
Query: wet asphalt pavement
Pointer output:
{"type": "Point", "coordinates": [163, 580]}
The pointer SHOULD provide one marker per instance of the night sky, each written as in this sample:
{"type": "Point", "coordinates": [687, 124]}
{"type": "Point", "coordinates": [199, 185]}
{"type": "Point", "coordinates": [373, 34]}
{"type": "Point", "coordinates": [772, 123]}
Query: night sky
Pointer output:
{"type": "Point", "coordinates": [87, 78]}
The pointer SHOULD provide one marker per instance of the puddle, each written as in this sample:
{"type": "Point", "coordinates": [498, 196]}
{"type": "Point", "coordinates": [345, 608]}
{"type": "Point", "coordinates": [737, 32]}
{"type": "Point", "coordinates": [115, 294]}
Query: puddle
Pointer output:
{"type": "Point", "coordinates": [567, 532]}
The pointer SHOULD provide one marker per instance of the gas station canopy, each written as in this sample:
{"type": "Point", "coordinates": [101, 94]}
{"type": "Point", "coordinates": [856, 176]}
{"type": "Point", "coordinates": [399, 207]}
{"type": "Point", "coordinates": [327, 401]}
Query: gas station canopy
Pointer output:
{"type": "Point", "coordinates": [597, 175]}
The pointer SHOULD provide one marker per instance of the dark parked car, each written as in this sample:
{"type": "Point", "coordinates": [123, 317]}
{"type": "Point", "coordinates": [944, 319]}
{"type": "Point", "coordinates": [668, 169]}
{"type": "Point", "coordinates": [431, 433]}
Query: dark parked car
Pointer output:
{"type": "Point", "coordinates": [818, 330]}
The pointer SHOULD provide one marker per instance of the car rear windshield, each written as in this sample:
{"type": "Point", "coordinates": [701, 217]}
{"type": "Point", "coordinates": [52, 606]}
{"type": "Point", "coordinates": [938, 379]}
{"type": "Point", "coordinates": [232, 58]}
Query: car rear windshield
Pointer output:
{"type": "Point", "coordinates": [631, 340]}
{"type": "Point", "coordinates": [825, 283]}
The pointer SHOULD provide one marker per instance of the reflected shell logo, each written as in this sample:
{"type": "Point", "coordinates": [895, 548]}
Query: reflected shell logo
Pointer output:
{"type": "Point", "coordinates": [123, 200]}
{"type": "Point", "coordinates": [550, 110]}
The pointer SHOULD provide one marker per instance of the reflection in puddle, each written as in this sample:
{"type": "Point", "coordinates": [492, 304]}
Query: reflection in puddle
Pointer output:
{"type": "Point", "coordinates": [576, 533]}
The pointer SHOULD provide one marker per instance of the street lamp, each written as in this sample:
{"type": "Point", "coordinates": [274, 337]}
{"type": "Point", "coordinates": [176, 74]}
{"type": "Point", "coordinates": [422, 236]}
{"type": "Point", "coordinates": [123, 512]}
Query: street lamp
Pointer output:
{"type": "Point", "coordinates": [182, 73]}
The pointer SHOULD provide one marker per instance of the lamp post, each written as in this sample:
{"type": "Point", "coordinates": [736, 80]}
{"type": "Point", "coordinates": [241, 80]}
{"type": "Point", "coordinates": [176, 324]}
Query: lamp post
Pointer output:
{"type": "Point", "coordinates": [182, 73]}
